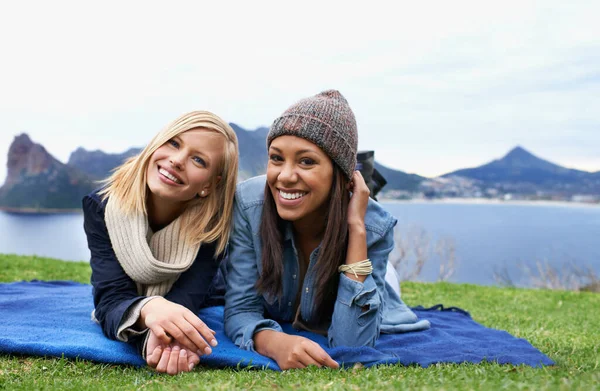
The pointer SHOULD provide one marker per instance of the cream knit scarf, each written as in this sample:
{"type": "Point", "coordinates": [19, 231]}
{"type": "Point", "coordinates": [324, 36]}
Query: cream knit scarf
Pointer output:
{"type": "Point", "coordinates": [153, 260]}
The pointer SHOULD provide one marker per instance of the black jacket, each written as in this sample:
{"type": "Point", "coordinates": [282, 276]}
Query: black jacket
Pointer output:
{"type": "Point", "coordinates": [114, 291]}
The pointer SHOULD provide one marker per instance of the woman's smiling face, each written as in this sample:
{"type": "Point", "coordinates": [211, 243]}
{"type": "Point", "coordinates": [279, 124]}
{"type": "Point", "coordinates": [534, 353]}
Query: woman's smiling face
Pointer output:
{"type": "Point", "coordinates": [185, 166]}
{"type": "Point", "coordinates": [299, 175]}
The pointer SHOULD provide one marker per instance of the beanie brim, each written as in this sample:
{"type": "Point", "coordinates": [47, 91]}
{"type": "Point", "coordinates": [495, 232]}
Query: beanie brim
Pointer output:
{"type": "Point", "coordinates": [317, 132]}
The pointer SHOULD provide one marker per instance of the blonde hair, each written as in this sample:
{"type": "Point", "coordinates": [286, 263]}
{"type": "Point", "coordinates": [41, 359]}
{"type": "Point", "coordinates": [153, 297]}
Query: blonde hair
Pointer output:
{"type": "Point", "coordinates": [205, 219]}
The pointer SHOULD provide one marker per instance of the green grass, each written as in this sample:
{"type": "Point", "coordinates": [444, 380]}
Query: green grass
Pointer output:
{"type": "Point", "coordinates": [18, 268]}
{"type": "Point", "coordinates": [563, 325]}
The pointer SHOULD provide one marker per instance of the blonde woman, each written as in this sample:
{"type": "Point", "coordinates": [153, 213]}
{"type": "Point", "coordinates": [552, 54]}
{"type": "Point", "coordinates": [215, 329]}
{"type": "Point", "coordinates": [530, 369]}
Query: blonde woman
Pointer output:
{"type": "Point", "coordinates": [157, 232]}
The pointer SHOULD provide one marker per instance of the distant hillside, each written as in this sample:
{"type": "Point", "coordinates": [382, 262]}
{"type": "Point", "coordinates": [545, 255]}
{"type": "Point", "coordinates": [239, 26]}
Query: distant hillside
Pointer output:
{"type": "Point", "coordinates": [253, 155]}
{"type": "Point", "coordinates": [253, 151]}
{"type": "Point", "coordinates": [37, 180]}
{"type": "Point", "coordinates": [253, 160]}
{"type": "Point", "coordinates": [398, 180]}
{"type": "Point", "coordinates": [522, 171]}
{"type": "Point", "coordinates": [98, 164]}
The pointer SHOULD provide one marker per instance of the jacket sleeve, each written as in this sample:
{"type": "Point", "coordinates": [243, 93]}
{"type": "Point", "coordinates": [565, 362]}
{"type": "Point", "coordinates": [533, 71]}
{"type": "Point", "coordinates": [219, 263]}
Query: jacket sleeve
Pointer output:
{"type": "Point", "coordinates": [244, 310]}
{"type": "Point", "coordinates": [113, 290]}
{"type": "Point", "coordinates": [358, 309]}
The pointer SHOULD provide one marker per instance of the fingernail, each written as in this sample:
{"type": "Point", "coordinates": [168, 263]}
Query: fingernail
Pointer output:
{"type": "Point", "coordinates": [214, 343]}
{"type": "Point", "coordinates": [207, 350]}
{"type": "Point", "coordinates": [176, 348]}
{"type": "Point", "coordinates": [191, 366]}
{"type": "Point", "coordinates": [182, 353]}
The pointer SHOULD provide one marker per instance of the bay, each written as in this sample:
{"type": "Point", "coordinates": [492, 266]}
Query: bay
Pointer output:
{"type": "Point", "coordinates": [487, 238]}
{"type": "Point", "coordinates": [494, 238]}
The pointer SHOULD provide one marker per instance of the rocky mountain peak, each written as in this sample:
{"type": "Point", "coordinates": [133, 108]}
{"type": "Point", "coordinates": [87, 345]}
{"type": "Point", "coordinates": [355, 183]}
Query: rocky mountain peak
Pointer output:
{"type": "Point", "coordinates": [36, 180]}
{"type": "Point", "coordinates": [520, 154]}
{"type": "Point", "coordinates": [520, 157]}
{"type": "Point", "coordinates": [25, 158]}
{"type": "Point", "coordinates": [98, 164]}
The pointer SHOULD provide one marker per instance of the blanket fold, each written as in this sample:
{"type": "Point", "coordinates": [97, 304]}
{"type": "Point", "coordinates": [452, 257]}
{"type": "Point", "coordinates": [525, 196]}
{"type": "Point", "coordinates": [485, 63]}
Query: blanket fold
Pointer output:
{"type": "Point", "coordinates": [51, 318]}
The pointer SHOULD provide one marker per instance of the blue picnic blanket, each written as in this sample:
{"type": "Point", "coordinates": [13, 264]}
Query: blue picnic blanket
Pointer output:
{"type": "Point", "coordinates": [52, 318]}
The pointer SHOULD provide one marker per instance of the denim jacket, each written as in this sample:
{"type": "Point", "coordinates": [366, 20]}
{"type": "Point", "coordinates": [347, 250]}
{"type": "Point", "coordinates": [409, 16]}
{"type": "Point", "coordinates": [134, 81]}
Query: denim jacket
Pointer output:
{"type": "Point", "coordinates": [248, 312]}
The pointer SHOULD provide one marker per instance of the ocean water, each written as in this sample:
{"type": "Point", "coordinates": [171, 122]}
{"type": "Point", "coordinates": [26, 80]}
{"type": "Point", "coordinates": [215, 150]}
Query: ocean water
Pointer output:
{"type": "Point", "coordinates": [503, 238]}
{"type": "Point", "coordinates": [486, 238]}
{"type": "Point", "coordinates": [49, 235]}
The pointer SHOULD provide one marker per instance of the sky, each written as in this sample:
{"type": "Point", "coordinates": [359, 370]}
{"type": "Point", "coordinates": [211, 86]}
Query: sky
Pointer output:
{"type": "Point", "coordinates": [434, 86]}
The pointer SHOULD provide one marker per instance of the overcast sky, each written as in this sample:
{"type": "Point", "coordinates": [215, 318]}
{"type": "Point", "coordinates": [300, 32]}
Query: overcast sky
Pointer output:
{"type": "Point", "coordinates": [434, 87]}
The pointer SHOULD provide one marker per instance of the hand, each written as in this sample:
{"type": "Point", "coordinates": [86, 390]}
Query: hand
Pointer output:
{"type": "Point", "coordinates": [170, 321]}
{"type": "Point", "coordinates": [170, 358]}
{"type": "Point", "coordinates": [357, 208]}
{"type": "Point", "coordinates": [292, 351]}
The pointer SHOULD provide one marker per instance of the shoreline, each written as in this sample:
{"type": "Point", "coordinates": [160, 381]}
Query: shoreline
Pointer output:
{"type": "Point", "coordinates": [458, 201]}
{"type": "Point", "coordinates": [39, 211]}
{"type": "Point", "coordinates": [485, 201]}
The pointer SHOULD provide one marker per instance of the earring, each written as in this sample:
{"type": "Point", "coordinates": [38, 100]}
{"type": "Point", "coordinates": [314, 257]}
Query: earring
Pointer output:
{"type": "Point", "coordinates": [202, 193]}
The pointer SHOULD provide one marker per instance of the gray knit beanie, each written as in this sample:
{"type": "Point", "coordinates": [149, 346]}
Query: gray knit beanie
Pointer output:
{"type": "Point", "coordinates": [325, 120]}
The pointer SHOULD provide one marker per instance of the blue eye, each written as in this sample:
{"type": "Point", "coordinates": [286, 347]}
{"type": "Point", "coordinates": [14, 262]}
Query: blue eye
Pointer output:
{"type": "Point", "coordinates": [173, 143]}
{"type": "Point", "coordinates": [199, 161]}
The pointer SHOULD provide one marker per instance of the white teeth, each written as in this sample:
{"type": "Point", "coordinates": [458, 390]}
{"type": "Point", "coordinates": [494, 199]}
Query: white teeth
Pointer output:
{"type": "Point", "coordinates": [291, 196]}
{"type": "Point", "coordinates": [168, 175]}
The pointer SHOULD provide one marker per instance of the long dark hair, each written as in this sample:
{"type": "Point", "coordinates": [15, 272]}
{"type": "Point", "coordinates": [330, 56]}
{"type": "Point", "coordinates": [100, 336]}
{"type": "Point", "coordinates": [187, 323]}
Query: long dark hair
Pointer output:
{"type": "Point", "coordinates": [332, 252]}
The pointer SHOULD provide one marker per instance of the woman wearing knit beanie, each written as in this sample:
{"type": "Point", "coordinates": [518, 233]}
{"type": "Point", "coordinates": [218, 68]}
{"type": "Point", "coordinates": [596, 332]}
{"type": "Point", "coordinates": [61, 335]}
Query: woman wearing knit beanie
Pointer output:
{"type": "Point", "coordinates": [157, 232]}
{"type": "Point", "coordinates": [309, 246]}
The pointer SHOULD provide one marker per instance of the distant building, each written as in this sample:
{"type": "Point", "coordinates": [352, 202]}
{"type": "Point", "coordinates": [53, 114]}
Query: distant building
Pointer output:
{"type": "Point", "coordinates": [585, 198]}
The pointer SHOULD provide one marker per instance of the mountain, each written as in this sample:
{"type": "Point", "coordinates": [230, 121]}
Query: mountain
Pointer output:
{"type": "Point", "coordinates": [253, 151]}
{"type": "Point", "coordinates": [253, 155]}
{"type": "Point", "coordinates": [398, 180]}
{"type": "Point", "coordinates": [98, 164]}
{"type": "Point", "coordinates": [519, 170]}
{"type": "Point", "coordinates": [253, 160]}
{"type": "Point", "coordinates": [37, 180]}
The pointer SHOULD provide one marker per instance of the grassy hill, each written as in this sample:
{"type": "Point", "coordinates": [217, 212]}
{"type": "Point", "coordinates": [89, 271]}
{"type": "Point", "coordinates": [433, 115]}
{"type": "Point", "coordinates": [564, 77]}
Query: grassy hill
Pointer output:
{"type": "Point", "coordinates": [563, 325]}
